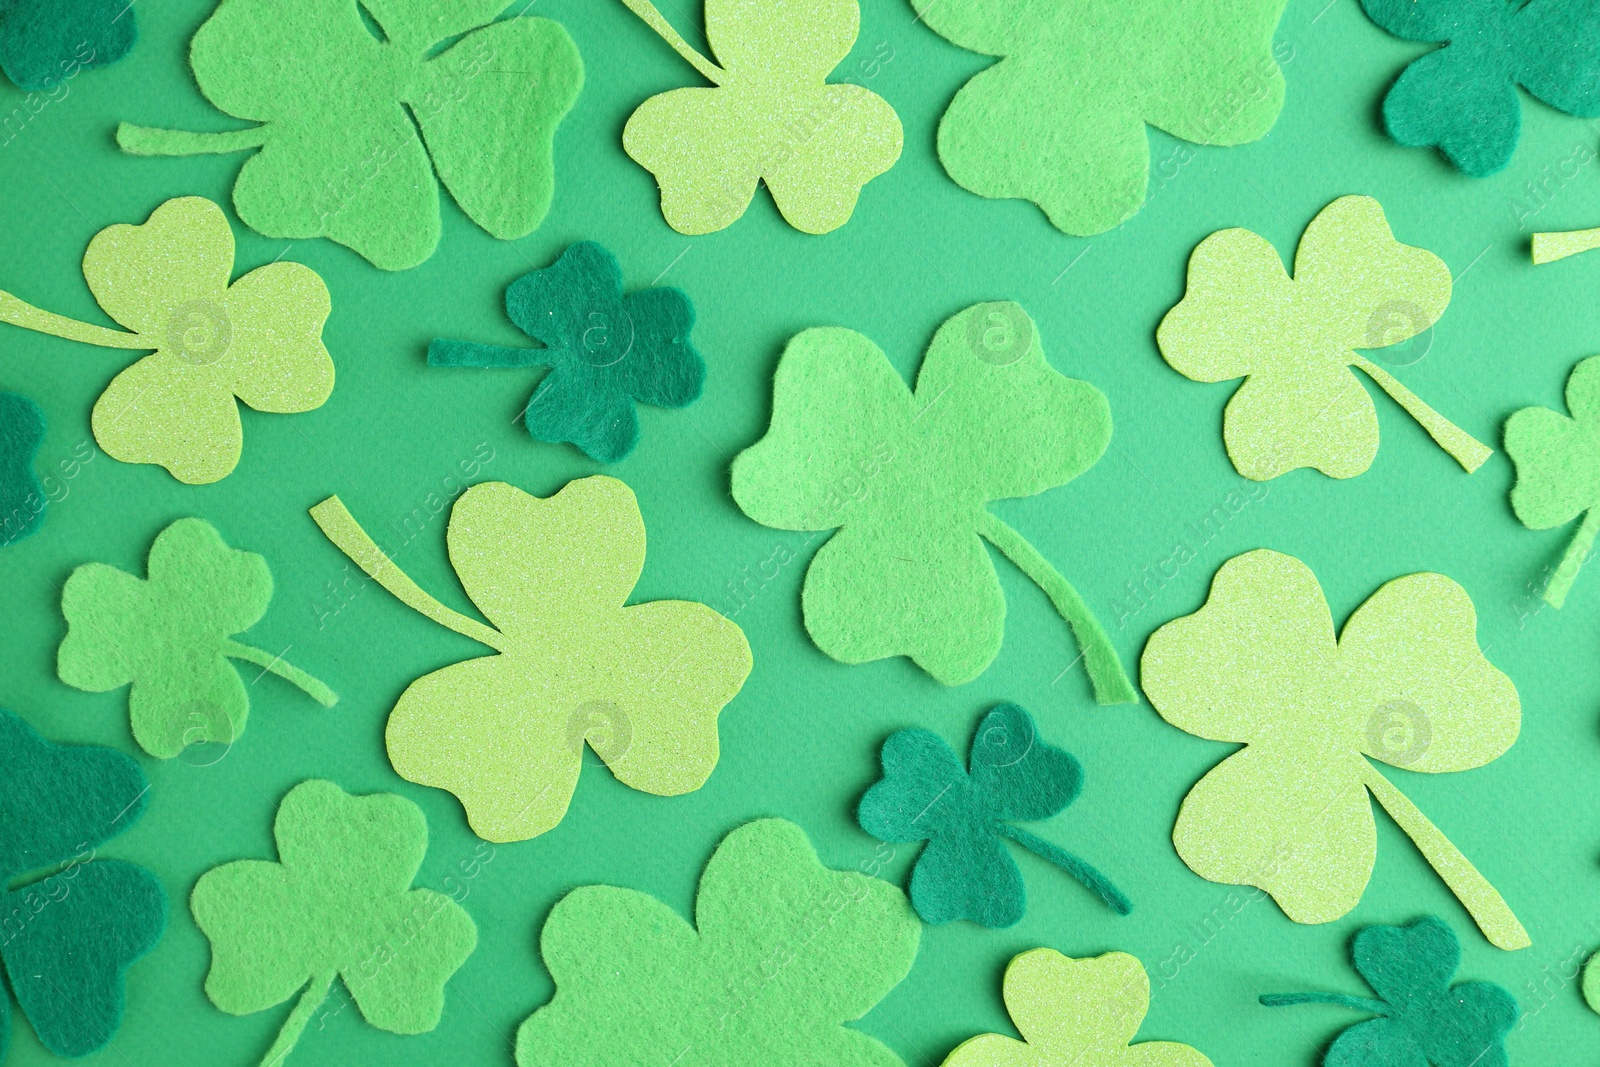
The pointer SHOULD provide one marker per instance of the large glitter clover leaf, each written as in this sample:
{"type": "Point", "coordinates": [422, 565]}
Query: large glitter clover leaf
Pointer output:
{"type": "Point", "coordinates": [44, 43]}
{"type": "Point", "coordinates": [354, 122]}
{"type": "Point", "coordinates": [1403, 684]}
{"type": "Point", "coordinates": [907, 476]}
{"type": "Point", "coordinates": [772, 117]}
{"type": "Point", "coordinates": [1295, 340]}
{"type": "Point", "coordinates": [641, 684]}
{"type": "Point", "coordinates": [258, 339]}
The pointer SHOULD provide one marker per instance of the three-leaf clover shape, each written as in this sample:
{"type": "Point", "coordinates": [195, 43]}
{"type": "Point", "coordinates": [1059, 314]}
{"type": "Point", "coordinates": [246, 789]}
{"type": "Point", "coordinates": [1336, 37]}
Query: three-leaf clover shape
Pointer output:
{"type": "Point", "coordinates": [908, 476]}
{"type": "Point", "coordinates": [1294, 340]}
{"type": "Point", "coordinates": [258, 339]}
{"type": "Point", "coordinates": [604, 350]}
{"type": "Point", "coordinates": [45, 42]}
{"type": "Point", "coordinates": [1012, 775]}
{"type": "Point", "coordinates": [1423, 1019]}
{"type": "Point", "coordinates": [641, 684]}
{"type": "Point", "coordinates": [1074, 1013]}
{"type": "Point", "coordinates": [339, 903]}
{"type": "Point", "coordinates": [773, 116]}
{"type": "Point", "coordinates": [68, 938]}
{"type": "Point", "coordinates": [782, 953]}
{"type": "Point", "coordinates": [22, 500]}
{"type": "Point", "coordinates": [169, 634]}
{"type": "Point", "coordinates": [1404, 684]}
{"type": "Point", "coordinates": [356, 118]}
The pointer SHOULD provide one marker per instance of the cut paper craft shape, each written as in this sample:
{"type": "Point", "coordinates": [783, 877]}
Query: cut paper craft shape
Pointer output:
{"type": "Point", "coordinates": [1074, 1013]}
{"type": "Point", "coordinates": [71, 936]}
{"type": "Point", "coordinates": [258, 339]}
{"type": "Point", "coordinates": [169, 635]}
{"type": "Point", "coordinates": [1591, 983]}
{"type": "Point", "coordinates": [1075, 144]}
{"type": "Point", "coordinates": [45, 42]}
{"type": "Point", "coordinates": [641, 684]}
{"type": "Point", "coordinates": [907, 476]}
{"type": "Point", "coordinates": [1549, 247]}
{"type": "Point", "coordinates": [1422, 1018]}
{"type": "Point", "coordinates": [1295, 340]}
{"type": "Point", "coordinates": [22, 499]}
{"type": "Point", "coordinates": [1462, 98]}
{"type": "Point", "coordinates": [605, 351]}
{"type": "Point", "coordinates": [338, 904]}
{"type": "Point", "coordinates": [773, 117]}
{"type": "Point", "coordinates": [782, 954]}
{"type": "Point", "coordinates": [1404, 684]}
{"type": "Point", "coordinates": [356, 118]}
{"type": "Point", "coordinates": [967, 815]}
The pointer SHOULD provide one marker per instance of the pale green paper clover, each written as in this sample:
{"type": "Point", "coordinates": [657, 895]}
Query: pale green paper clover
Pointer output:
{"type": "Point", "coordinates": [1294, 341]}
{"type": "Point", "coordinates": [1404, 684]}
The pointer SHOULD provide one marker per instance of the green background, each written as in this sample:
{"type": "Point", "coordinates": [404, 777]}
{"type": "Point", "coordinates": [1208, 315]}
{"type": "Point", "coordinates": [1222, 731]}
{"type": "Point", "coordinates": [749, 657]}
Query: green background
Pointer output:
{"type": "Point", "coordinates": [801, 740]}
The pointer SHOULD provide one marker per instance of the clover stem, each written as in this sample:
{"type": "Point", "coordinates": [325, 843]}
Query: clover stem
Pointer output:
{"type": "Point", "coordinates": [1289, 1000]}
{"type": "Point", "coordinates": [1111, 685]}
{"type": "Point", "coordinates": [1549, 247]}
{"type": "Point", "coordinates": [653, 18]}
{"type": "Point", "coordinates": [315, 689]}
{"type": "Point", "coordinates": [316, 992]}
{"type": "Point", "coordinates": [1091, 879]}
{"type": "Point", "coordinates": [1555, 590]}
{"type": "Point", "coordinates": [445, 353]}
{"type": "Point", "coordinates": [21, 313]}
{"type": "Point", "coordinates": [151, 141]}
{"type": "Point", "coordinates": [1487, 908]}
{"type": "Point", "coordinates": [1462, 446]}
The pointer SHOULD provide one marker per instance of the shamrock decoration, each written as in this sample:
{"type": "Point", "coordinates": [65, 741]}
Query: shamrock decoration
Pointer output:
{"type": "Point", "coordinates": [168, 635]}
{"type": "Point", "coordinates": [908, 476]}
{"type": "Point", "coordinates": [68, 938]}
{"type": "Point", "coordinates": [1013, 775]}
{"type": "Point", "coordinates": [339, 903]}
{"type": "Point", "coordinates": [349, 119]}
{"type": "Point", "coordinates": [783, 952]}
{"type": "Point", "coordinates": [1422, 1019]}
{"type": "Point", "coordinates": [45, 42]}
{"type": "Point", "coordinates": [258, 339]}
{"type": "Point", "coordinates": [1073, 1013]}
{"type": "Point", "coordinates": [1294, 340]}
{"type": "Point", "coordinates": [604, 350]}
{"type": "Point", "coordinates": [1404, 684]}
{"type": "Point", "coordinates": [21, 496]}
{"type": "Point", "coordinates": [641, 684]}
{"type": "Point", "coordinates": [773, 117]}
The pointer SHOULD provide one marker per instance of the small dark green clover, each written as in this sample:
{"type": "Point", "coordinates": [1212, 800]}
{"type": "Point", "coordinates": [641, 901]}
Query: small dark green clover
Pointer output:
{"type": "Point", "coordinates": [605, 351]}
{"type": "Point", "coordinates": [965, 816]}
{"type": "Point", "coordinates": [22, 499]}
{"type": "Point", "coordinates": [43, 43]}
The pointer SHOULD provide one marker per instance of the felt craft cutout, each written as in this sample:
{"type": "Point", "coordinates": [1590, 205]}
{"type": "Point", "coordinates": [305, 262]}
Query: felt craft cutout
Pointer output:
{"type": "Point", "coordinates": [1462, 98]}
{"type": "Point", "coordinates": [44, 42]}
{"type": "Point", "coordinates": [783, 952]}
{"type": "Point", "coordinates": [966, 816]}
{"type": "Point", "coordinates": [1549, 247]}
{"type": "Point", "coordinates": [604, 350]}
{"type": "Point", "coordinates": [1060, 119]}
{"type": "Point", "coordinates": [773, 117]}
{"type": "Point", "coordinates": [1294, 340]}
{"type": "Point", "coordinates": [355, 122]}
{"type": "Point", "coordinates": [1074, 1013]}
{"type": "Point", "coordinates": [22, 499]}
{"type": "Point", "coordinates": [70, 937]}
{"type": "Point", "coordinates": [169, 635]}
{"type": "Point", "coordinates": [1404, 684]}
{"type": "Point", "coordinates": [1422, 1018]}
{"type": "Point", "coordinates": [258, 339]}
{"type": "Point", "coordinates": [641, 684]}
{"type": "Point", "coordinates": [908, 475]}
{"type": "Point", "coordinates": [339, 903]}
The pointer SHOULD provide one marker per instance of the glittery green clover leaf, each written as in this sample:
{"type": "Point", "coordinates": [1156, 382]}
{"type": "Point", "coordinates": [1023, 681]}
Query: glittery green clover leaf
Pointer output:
{"type": "Point", "coordinates": [1294, 340]}
{"type": "Point", "coordinates": [908, 476]}
{"type": "Point", "coordinates": [338, 903]}
{"type": "Point", "coordinates": [356, 117]}
{"type": "Point", "coordinates": [773, 117]}
{"type": "Point", "coordinates": [1404, 684]}
{"type": "Point", "coordinates": [783, 952]}
{"type": "Point", "coordinates": [641, 684]}
{"type": "Point", "coordinates": [258, 339]}
{"type": "Point", "coordinates": [1422, 1018]}
{"type": "Point", "coordinates": [170, 636]}
{"type": "Point", "coordinates": [605, 351]}
{"type": "Point", "coordinates": [966, 816]}
{"type": "Point", "coordinates": [45, 42]}
{"type": "Point", "coordinates": [22, 499]}
{"type": "Point", "coordinates": [1074, 1013]}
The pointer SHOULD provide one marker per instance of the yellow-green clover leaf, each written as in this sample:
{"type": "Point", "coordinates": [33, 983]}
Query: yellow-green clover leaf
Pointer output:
{"type": "Point", "coordinates": [1404, 684]}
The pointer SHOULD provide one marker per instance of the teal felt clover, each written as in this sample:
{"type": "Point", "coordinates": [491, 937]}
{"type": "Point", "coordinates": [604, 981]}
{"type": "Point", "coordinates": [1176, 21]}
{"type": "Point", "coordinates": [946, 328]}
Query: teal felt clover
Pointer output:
{"type": "Point", "coordinates": [21, 496]}
{"type": "Point", "coordinates": [606, 351]}
{"type": "Point", "coordinates": [45, 42]}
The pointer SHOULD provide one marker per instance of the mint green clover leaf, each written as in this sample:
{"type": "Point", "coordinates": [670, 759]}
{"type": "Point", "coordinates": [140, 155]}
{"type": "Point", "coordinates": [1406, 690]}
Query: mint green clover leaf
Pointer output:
{"type": "Point", "coordinates": [352, 129]}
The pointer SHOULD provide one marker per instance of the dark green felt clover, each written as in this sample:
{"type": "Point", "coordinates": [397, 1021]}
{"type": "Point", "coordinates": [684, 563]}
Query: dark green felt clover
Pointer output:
{"type": "Point", "coordinates": [604, 350]}
{"type": "Point", "coordinates": [45, 42]}
{"type": "Point", "coordinates": [21, 496]}
{"type": "Point", "coordinates": [1012, 776]}
{"type": "Point", "coordinates": [1422, 1018]}
{"type": "Point", "coordinates": [66, 939]}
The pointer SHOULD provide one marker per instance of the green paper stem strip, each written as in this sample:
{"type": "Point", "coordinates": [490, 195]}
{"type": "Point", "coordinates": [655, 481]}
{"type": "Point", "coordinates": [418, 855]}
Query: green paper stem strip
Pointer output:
{"type": "Point", "coordinates": [1549, 247]}
{"type": "Point", "coordinates": [1560, 584]}
{"type": "Point", "coordinates": [23, 314]}
{"type": "Point", "coordinates": [156, 141]}
{"type": "Point", "coordinates": [304, 1010]}
{"type": "Point", "coordinates": [312, 687]}
{"type": "Point", "coordinates": [1086, 874]}
{"type": "Point", "coordinates": [1462, 446]}
{"type": "Point", "coordinates": [654, 19]}
{"type": "Point", "coordinates": [1290, 1000]}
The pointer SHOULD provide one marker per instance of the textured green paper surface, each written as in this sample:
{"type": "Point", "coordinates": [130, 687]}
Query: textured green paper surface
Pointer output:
{"type": "Point", "coordinates": [22, 500]}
